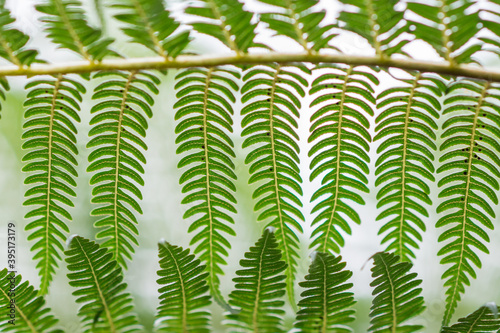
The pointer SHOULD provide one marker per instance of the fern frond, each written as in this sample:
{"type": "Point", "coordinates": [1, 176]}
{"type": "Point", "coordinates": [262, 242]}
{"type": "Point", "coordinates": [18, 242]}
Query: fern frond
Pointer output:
{"type": "Point", "coordinates": [183, 291]}
{"type": "Point", "coordinates": [148, 23]}
{"type": "Point", "coordinates": [378, 21]}
{"type": "Point", "coordinates": [119, 124]}
{"type": "Point", "coordinates": [471, 165]}
{"type": "Point", "coordinates": [4, 86]}
{"type": "Point", "coordinates": [13, 42]}
{"type": "Point", "coordinates": [225, 20]}
{"type": "Point", "coordinates": [99, 282]}
{"type": "Point", "coordinates": [340, 137]}
{"type": "Point", "coordinates": [205, 114]}
{"type": "Point", "coordinates": [299, 21]}
{"type": "Point", "coordinates": [326, 303]}
{"type": "Point", "coordinates": [397, 296]}
{"type": "Point", "coordinates": [406, 126]}
{"type": "Point", "coordinates": [50, 136]}
{"type": "Point", "coordinates": [485, 319]}
{"type": "Point", "coordinates": [491, 22]}
{"type": "Point", "coordinates": [29, 310]}
{"type": "Point", "coordinates": [270, 123]}
{"type": "Point", "coordinates": [447, 26]}
{"type": "Point", "coordinates": [67, 26]}
{"type": "Point", "coordinates": [259, 288]}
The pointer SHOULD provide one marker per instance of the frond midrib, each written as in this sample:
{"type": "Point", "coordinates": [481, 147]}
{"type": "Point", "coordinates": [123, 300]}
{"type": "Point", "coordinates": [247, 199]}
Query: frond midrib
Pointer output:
{"type": "Point", "coordinates": [152, 35]}
{"type": "Point", "coordinates": [25, 316]}
{"type": "Point", "coordinates": [67, 22]}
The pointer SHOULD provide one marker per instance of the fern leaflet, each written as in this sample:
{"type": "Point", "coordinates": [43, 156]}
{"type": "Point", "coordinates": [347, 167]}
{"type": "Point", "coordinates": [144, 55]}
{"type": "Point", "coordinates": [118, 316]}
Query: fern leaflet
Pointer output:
{"type": "Point", "coordinates": [484, 319]}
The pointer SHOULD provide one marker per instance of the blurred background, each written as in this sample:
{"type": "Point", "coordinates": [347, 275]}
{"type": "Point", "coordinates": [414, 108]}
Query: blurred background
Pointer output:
{"type": "Point", "coordinates": [162, 207]}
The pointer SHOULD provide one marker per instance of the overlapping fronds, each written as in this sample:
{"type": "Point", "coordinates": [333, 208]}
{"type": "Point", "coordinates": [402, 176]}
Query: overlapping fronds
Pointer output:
{"type": "Point", "coordinates": [299, 21]}
{"type": "Point", "coordinates": [19, 299]}
{"type": "Point", "coordinates": [225, 20]}
{"type": "Point", "coordinates": [148, 23]}
{"type": "Point", "coordinates": [397, 296]}
{"type": "Point", "coordinates": [50, 134]}
{"type": "Point", "coordinates": [183, 292]}
{"type": "Point", "coordinates": [67, 26]}
{"type": "Point", "coordinates": [483, 320]}
{"type": "Point", "coordinates": [259, 288]}
{"type": "Point", "coordinates": [118, 128]}
{"type": "Point", "coordinates": [106, 306]}
{"type": "Point", "coordinates": [205, 114]}
{"type": "Point", "coordinates": [448, 26]}
{"type": "Point", "coordinates": [326, 303]}
{"type": "Point", "coordinates": [469, 171]}
{"type": "Point", "coordinates": [269, 124]}
{"type": "Point", "coordinates": [343, 98]}
{"type": "Point", "coordinates": [13, 41]}
{"type": "Point", "coordinates": [380, 22]}
{"type": "Point", "coordinates": [407, 126]}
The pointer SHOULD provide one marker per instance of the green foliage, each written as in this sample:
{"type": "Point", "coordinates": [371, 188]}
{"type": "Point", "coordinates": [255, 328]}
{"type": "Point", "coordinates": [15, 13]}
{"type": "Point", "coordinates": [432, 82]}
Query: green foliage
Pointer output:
{"type": "Point", "coordinates": [259, 288]}
{"type": "Point", "coordinates": [13, 42]}
{"type": "Point", "coordinates": [98, 280]}
{"type": "Point", "coordinates": [31, 314]}
{"type": "Point", "coordinates": [484, 319]}
{"type": "Point", "coordinates": [397, 296]}
{"type": "Point", "coordinates": [325, 304]}
{"type": "Point", "coordinates": [183, 291]}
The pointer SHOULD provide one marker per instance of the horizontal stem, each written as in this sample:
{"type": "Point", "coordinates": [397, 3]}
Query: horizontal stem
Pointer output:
{"type": "Point", "coordinates": [187, 61]}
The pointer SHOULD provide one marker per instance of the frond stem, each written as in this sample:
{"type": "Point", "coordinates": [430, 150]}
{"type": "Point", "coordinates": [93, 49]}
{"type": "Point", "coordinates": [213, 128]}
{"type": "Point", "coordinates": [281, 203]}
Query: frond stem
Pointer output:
{"type": "Point", "coordinates": [10, 52]}
{"type": "Point", "coordinates": [67, 22]}
{"type": "Point", "coordinates": [144, 18]}
{"type": "Point", "coordinates": [24, 315]}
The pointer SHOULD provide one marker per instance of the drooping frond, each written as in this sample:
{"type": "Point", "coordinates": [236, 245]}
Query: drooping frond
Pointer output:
{"type": "Point", "coordinates": [205, 114]}
{"type": "Point", "coordinates": [483, 320]}
{"type": "Point", "coordinates": [447, 25]}
{"type": "Point", "coordinates": [148, 23]}
{"type": "Point", "coordinates": [471, 165]}
{"type": "Point", "coordinates": [326, 303]}
{"type": "Point", "coordinates": [259, 288]}
{"type": "Point", "coordinates": [270, 121]}
{"type": "Point", "coordinates": [20, 304]}
{"type": "Point", "coordinates": [50, 134]}
{"type": "Point", "coordinates": [397, 296]}
{"type": "Point", "coordinates": [67, 26]}
{"type": "Point", "coordinates": [183, 292]}
{"type": "Point", "coordinates": [225, 20]}
{"type": "Point", "coordinates": [106, 306]}
{"type": "Point", "coordinates": [118, 126]}
{"type": "Point", "coordinates": [340, 137]}
{"type": "Point", "coordinates": [299, 21]}
{"type": "Point", "coordinates": [406, 128]}
{"type": "Point", "coordinates": [380, 22]}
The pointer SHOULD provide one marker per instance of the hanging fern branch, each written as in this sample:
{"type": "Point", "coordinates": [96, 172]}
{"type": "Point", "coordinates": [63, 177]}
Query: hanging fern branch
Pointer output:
{"type": "Point", "coordinates": [340, 137]}
{"type": "Point", "coordinates": [50, 137]}
{"type": "Point", "coordinates": [397, 297]}
{"type": "Point", "coordinates": [119, 125]}
{"type": "Point", "coordinates": [183, 292]}
{"type": "Point", "coordinates": [259, 288]}
{"type": "Point", "coordinates": [407, 128]}
{"type": "Point", "coordinates": [270, 123]}
{"type": "Point", "coordinates": [206, 120]}
{"type": "Point", "coordinates": [484, 319]}
{"type": "Point", "coordinates": [31, 314]}
{"type": "Point", "coordinates": [471, 147]}
{"type": "Point", "coordinates": [326, 303]}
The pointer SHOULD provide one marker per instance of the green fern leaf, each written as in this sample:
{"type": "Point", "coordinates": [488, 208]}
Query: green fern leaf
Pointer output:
{"type": "Point", "coordinates": [491, 21]}
{"type": "Point", "coordinates": [51, 140]}
{"type": "Point", "coordinates": [448, 26]}
{"type": "Point", "coordinates": [326, 303]}
{"type": "Point", "coordinates": [340, 137]}
{"type": "Point", "coordinates": [31, 314]}
{"type": "Point", "coordinates": [205, 119]}
{"type": "Point", "coordinates": [397, 297]}
{"type": "Point", "coordinates": [4, 86]}
{"type": "Point", "coordinates": [259, 288]}
{"type": "Point", "coordinates": [119, 125]}
{"type": "Point", "coordinates": [100, 287]}
{"type": "Point", "coordinates": [406, 126]}
{"type": "Point", "coordinates": [471, 165]}
{"type": "Point", "coordinates": [225, 20]}
{"type": "Point", "coordinates": [183, 291]}
{"type": "Point", "coordinates": [67, 26]}
{"type": "Point", "coordinates": [378, 21]}
{"type": "Point", "coordinates": [148, 23]}
{"type": "Point", "coordinates": [270, 123]}
{"type": "Point", "coordinates": [483, 320]}
{"type": "Point", "coordinates": [299, 21]}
